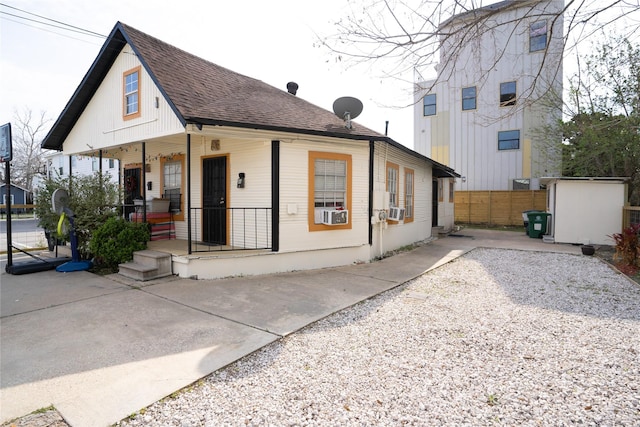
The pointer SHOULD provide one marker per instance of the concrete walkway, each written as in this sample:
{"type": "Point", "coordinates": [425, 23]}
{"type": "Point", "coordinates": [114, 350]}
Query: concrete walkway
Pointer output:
{"type": "Point", "coordinates": [101, 348]}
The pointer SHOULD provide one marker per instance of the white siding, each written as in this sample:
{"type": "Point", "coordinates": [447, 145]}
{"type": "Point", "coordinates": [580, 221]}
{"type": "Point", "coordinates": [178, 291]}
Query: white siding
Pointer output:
{"type": "Point", "coordinates": [101, 124]}
{"type": "Point", "coordinates": [394, 235]}
{"type": "Point", "coordinates": [294, 197]}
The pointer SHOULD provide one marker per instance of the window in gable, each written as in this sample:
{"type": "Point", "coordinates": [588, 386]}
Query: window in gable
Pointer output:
{"type": "Point", "coordinates": [131, 94]}
{"type": "Point", "coordinates": [509, 140]}
{"type": "Point", "coordinates": [329, 187]}
{"type": "Point", "coordinates": [537, 36]}
{"type": "Point", "coordinates": [507, 94]}
{"type": "Point", "coordinates": [408, 195]}
{"type": "Point", "coordinates": [429, 103]}
{"type": "Point", "coordinates": [469, 98]}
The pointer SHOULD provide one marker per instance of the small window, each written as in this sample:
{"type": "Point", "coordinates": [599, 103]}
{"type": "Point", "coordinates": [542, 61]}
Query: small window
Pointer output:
{"type": "Point", "coordinates": [441, 190]}
{"type": "Point", "coordinates": [507, 94]}
{"type": "Point", "coordinates": [112, 163]}
{"type": "Point", "coordinates": [94, 164]}
{"type": "Point", "coordinates": [469, 98]}
{"type": "Point", "coordinates": [393, 172]}
{"type": "Point", "coordinates": [537, 36]}
{"type": "Point", "coordinates": [509, 140]}
{"type": "Point", "coordinates": [430, 105]}
{"type": "Point", "coordinates": [131, 92]}
{"type": "Point", "coordinates": [408, 195]}
{"type": "Point", "coordinates": [329, 187]}
{"type": "Point", "coordinates": [451, 190]}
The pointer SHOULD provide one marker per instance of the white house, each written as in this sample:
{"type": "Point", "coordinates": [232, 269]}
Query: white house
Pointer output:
{"type": "Point", "coordinates": [60, 165]}
{"type": "Point", "coordinates": [244, 178]}
{"type": "Point", "coordinates": [499, 82]}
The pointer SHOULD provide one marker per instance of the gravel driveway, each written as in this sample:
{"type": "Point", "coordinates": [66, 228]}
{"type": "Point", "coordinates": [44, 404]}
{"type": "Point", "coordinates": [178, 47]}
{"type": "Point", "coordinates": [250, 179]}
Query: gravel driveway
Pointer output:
{"type": "Point", "coordinates": [497, 337]}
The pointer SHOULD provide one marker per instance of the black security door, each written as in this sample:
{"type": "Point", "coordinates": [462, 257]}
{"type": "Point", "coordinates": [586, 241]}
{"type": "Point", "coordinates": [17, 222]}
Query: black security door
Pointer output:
{"type": "Point", "coordinates": [132, 190]}
{"type": "Point", "coordinates": [214, 200]}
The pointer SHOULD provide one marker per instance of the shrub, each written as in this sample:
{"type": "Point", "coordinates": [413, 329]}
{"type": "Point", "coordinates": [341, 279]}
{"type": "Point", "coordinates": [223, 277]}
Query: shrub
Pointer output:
{"type": "Point", "coordinates": [627, 249]}
{"type": "Point", "coordinates": [115, 241]}
{"type": "Point", "coordinates": [91, 198]}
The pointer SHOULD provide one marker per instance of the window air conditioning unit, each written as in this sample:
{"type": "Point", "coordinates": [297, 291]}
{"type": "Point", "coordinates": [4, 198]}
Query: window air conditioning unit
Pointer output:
{"type": "Point", "coordinates": [334, 217]}
{"type": "Point", "coordinates": [396, 214]}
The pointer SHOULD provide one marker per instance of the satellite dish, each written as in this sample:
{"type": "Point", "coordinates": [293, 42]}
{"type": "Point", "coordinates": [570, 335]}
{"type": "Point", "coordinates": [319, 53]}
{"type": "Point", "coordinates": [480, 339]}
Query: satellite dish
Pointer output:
{"type": "Point", "coordinates": [347, 108]}
{"type": "Point", "coordinates": [60, 201]}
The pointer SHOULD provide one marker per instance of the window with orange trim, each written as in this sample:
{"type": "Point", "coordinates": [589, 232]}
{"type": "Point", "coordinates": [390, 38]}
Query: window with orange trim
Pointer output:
{"type": "Point", "coordinates": [172, 184]}
{"type": "Point", "coordinates": [131, 94]}
{"type": "Point", "coordinates": [329, 187]}
{"type": "Point", "coordinates": [393, 182]}
{"type": "Point", "coordinates": [408, 195]}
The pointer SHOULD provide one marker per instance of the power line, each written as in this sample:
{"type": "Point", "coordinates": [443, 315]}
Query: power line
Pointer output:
{"type": "Point", "coordinates": [65, 26]}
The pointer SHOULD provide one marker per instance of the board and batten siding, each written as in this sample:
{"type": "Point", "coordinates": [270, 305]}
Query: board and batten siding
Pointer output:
{"type": "Point", "coordinates": [101, 124]}
{"type": "Point", "coordinates": [294, 197]}
{"type": "Point", "coordinates": [467, 140]}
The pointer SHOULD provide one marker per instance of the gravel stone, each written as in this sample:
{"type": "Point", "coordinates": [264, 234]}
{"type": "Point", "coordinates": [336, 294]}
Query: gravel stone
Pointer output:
{"type": "Point", "coordinates": [496, 337]}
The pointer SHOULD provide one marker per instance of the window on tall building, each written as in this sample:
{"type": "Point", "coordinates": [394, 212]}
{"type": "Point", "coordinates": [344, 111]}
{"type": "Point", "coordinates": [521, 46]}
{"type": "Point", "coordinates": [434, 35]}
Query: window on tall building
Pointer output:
{"type": "Point", "coordinates": [430, 105]}
{"type": "Point", "coordinates": [131, 94]}
{"type": "Point", "coordinates": [507, 94]}
{"type": "Point", "coordinates": [469, 98]}
{"type": "Point", "coordinates": [537, 36]}
{"type": "Point", "coordinates": [509, 140]}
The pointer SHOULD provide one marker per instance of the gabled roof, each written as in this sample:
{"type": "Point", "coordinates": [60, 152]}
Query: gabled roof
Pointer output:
{"type": "Point", "coordinates": [490, 9]}
{"type": "Point", "coordinates": [203, 93]}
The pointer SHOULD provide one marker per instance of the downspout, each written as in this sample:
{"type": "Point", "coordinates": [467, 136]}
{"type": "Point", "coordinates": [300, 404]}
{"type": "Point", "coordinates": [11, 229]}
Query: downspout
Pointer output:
{"type": "Point", "coordinates": [275, 196]}
{"type": "Point", "coordinates": [189, 193]}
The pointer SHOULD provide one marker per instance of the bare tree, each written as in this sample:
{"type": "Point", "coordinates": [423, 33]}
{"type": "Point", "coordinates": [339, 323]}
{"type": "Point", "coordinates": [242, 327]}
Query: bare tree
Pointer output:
{"type": "Point", "coordinates": [28, 129]}
{"type": "Point", "coordinates": [405, 37]}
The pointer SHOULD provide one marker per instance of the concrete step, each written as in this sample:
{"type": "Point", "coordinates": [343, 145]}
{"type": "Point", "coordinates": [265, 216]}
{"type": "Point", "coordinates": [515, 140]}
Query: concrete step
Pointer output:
{"type": "Point", "coordinates": [147, 265]}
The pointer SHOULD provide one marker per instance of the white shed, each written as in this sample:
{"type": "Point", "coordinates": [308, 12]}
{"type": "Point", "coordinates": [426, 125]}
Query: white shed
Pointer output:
{"type": "Point", "coordinates": [585, 210]}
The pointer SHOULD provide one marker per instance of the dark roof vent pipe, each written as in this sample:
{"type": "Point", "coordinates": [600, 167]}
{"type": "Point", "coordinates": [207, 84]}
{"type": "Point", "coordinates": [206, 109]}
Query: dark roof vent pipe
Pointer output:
{"type": "Point", "coordinates": [292, 88]}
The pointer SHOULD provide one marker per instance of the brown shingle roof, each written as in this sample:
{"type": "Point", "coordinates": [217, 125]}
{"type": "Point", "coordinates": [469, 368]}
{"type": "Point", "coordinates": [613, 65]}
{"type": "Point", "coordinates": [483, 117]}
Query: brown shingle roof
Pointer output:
{"type": "Point", "coordinates": [202, 92]}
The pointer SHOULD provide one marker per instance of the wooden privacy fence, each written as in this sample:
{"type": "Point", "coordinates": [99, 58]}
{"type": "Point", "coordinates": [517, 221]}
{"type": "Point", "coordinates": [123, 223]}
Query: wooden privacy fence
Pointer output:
{"type": "Point", "coordinates": [497, 207]}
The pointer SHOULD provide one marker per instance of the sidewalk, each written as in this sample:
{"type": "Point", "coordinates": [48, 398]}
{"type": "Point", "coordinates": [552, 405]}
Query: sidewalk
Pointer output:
{"type": "Point", "coordinates": [99, 349]}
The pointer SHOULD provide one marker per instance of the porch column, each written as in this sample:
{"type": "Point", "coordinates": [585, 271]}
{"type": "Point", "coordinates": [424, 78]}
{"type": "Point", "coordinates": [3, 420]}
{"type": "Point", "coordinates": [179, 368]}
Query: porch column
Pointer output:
{"type": "Point", "coordinates": [188, 193]}
{"type": "Point", "coordinates": [372, 146]}
{"type": "Point", "coordinates": [275, 196]}
{"type": "Point", "coordinates": [144, 183]}
{"type": "Point", "coordinates": [100, 161]}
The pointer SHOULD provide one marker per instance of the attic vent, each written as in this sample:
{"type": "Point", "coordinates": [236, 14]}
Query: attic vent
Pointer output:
{"type": "Point", "coordinates": [292, 88]}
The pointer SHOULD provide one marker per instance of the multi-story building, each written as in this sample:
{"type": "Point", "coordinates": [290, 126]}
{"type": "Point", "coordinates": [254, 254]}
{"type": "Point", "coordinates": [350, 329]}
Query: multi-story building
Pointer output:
{"type": "Point", "coordinates": [497, 90]}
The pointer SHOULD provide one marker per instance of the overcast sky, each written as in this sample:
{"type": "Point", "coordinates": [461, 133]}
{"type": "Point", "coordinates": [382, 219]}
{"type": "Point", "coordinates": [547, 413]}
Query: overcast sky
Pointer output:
{"type": "Point", "coordinates": [273, 41]}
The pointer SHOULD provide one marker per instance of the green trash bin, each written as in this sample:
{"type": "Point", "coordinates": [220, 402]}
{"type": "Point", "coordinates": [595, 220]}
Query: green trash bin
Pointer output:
{"type": "Point", "coordinates": [537, 224]}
